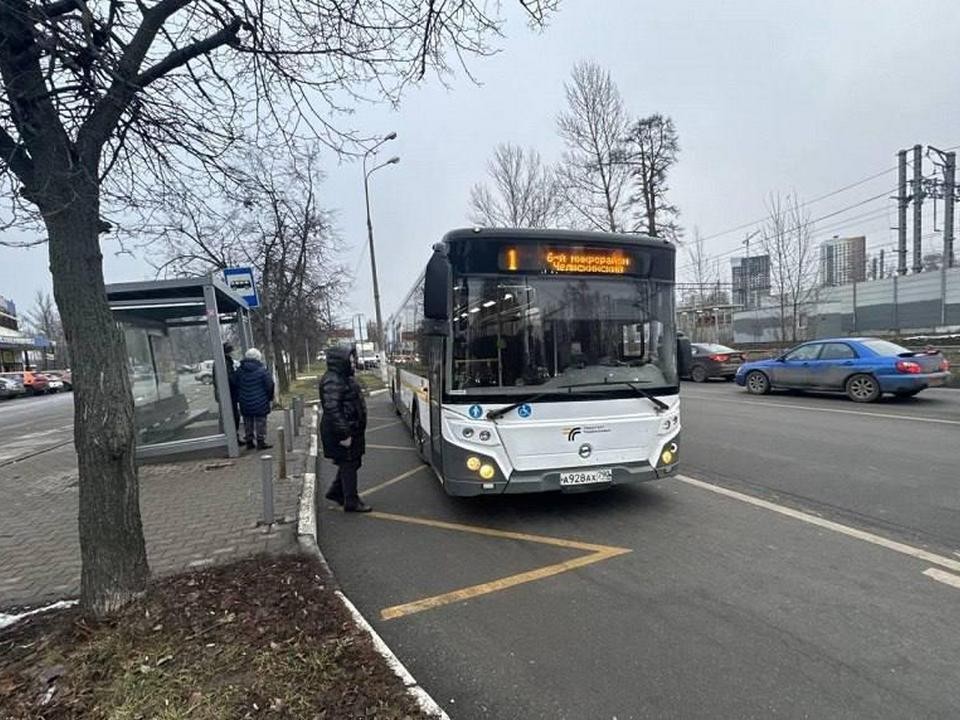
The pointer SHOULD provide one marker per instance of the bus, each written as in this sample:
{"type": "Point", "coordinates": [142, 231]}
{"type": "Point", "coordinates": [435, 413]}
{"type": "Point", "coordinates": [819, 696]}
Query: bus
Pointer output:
{"type": "Point", "coordinates": [538, 360]}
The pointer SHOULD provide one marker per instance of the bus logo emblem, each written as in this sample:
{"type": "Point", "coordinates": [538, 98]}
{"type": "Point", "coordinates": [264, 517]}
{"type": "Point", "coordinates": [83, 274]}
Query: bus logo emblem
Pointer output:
{"type": "Point", "coordinates": [524, 411]}
{"type": "Point", "coordinates": [585, 451]}
{"type": "Point", "coordinates": [476, 411]}
{"type": "Point", "coordinates": [572, 434]}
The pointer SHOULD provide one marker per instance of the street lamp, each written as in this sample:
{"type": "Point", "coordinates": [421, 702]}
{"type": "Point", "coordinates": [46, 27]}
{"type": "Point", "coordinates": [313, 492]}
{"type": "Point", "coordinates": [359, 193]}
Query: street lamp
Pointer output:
{"type": "Point", "coordinates": [373, 257]}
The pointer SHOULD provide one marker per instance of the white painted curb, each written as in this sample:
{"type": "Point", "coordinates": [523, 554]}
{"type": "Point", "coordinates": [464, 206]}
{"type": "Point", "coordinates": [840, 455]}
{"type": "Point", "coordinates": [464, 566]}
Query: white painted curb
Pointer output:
{"type": "Point", "coordinates": [307, 539]}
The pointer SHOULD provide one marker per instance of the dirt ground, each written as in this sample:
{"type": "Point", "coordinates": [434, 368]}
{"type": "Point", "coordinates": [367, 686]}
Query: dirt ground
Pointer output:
{"type": "Point", "coordinates": [265, 637]}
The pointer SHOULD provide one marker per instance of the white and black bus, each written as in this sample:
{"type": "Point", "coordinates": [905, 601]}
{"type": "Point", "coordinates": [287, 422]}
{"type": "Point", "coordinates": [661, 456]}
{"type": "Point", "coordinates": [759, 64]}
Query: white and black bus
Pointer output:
{"type": "Point", "coordinates": [535, 360]}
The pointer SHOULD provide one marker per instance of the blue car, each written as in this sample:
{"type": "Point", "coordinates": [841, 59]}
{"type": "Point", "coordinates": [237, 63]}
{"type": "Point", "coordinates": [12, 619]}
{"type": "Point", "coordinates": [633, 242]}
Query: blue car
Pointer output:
{"type": "Point", "coordinates": [862, 368]}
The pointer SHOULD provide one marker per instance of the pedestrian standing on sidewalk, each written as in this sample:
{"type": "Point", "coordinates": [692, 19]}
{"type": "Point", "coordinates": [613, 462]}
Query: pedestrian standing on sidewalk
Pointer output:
{"type": "Point", "coordinates": [254, 395]}
{"type": "Point", "coordinates": [232, 380]}
{"type": "Point", "coordinates": [343, 427]}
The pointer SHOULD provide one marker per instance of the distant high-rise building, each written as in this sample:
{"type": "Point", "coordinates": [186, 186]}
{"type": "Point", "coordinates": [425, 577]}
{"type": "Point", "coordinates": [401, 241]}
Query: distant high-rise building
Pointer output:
{"type": "Point", "coordinates": [843, 260]}
{"type": "Point", "coordinates": [751, 279]}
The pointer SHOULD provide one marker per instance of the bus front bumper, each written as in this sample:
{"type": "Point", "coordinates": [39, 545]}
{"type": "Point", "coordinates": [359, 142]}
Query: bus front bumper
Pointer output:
{"type": "Point", "coordinates": [549, 480]}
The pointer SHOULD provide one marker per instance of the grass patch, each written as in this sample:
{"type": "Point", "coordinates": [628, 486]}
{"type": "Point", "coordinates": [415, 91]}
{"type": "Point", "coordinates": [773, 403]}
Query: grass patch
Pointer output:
{"type": "Point", "coordinates": [259, 638]}
{"type": "Point", "coordinates": [308, 384]}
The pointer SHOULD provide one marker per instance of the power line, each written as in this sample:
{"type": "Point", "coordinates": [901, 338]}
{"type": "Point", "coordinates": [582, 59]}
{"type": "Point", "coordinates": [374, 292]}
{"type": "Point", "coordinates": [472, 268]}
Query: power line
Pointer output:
{"type": "Point", "coordinates": [812, 221]}
{"type": "Point", "coordinates": [819, 198]}
{"type": "Point", "coordinates": [808, 202]}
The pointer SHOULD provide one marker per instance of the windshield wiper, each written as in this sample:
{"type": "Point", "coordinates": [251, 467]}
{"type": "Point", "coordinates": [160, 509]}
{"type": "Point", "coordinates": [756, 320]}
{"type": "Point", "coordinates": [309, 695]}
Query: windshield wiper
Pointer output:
{"type": "Point", "coordinates": [661, 405]}
{"type": "Point", "coordinates": [494, 414]}
{"type": "Point", "coordinates": [499, 413]}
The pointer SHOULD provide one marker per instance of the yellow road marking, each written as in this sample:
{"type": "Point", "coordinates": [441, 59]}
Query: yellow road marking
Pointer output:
{"type": "Point", "coordinates": [492, 532]}
{"type": "Point", "coordinates": [393, 480]}
{"type": "Point", "coordinates": [473, 591]}
{"type": "Point", "coordinates": [385, 425]}
{"type": "Point", "coordinates": [596, 553]}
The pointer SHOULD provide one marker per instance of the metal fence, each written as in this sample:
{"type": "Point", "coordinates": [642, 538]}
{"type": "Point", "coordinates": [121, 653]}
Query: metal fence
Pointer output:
{"type": "Point", "coordinates": [924, 303]}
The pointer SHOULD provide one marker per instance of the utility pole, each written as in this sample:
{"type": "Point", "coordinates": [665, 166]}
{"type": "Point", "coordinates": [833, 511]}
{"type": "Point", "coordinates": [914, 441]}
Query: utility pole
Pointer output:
{"type": "Point", "coordinates": [882, 271]}
{"type": "Point", "coordinates": [902, 201]}
{"type": "Point", "coordinates": [373, 255]}
{"type": "Point", "coordinates": [949, 192]}
{"type": "Point", "coordinates": [917, 207]}
{"type": "Point", "coordinates": [873, 269]}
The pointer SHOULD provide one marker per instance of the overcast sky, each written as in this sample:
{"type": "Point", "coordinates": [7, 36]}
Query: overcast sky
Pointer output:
{"type": "Point", "coordinates": [767, 95]}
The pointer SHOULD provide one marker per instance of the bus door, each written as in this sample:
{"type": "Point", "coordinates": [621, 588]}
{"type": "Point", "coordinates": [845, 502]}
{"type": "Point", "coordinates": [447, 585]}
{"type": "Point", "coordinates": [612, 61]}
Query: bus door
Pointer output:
{"type": "Point", "coordinates": [436, 362]}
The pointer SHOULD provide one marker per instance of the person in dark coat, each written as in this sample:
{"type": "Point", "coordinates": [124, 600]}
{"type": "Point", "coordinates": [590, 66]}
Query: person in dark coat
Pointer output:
{"type": "Point", "coordinates": [343, 427]}
{"type": "Point", "coordinates": [232, 380]}
{"type": "Point", "coordinates": [254, 391]}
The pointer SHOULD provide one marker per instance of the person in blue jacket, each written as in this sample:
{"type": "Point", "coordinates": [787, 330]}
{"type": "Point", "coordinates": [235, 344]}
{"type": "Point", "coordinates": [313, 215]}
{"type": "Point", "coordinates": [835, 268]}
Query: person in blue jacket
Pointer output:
{"type": "Point", "coordinates": [254, 390]}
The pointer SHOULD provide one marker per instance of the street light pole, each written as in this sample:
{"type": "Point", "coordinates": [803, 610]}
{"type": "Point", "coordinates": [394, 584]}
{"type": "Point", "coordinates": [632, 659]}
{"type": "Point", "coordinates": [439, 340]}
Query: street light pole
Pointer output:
{"type": "Point", "coordinates": [373, 255]}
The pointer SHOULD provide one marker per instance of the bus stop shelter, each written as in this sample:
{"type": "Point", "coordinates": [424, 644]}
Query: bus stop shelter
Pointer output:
{"type": "Point", "coordinates": [174, 332]}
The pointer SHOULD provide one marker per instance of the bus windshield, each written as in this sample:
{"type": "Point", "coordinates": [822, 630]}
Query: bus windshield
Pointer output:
{"type": "Point", "coordinates": [550, 332]}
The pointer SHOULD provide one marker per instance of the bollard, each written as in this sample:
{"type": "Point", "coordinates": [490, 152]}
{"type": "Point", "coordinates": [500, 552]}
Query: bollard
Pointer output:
{"type": "Point", "coordinates": [266, 484]}
{"type": "Point", "coordinates": [288, 429]}
{"type": "Point", "coordinates": [282, 467]}
{"type": "Point", "coordinates": [296, 419]}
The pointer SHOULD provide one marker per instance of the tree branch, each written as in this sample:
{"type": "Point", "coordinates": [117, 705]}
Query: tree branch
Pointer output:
{"type": "Point", "coordinates": [15, 157]}
{"type": "Point", "coordinates": [184, 55]}
{"type": "Point", "coordinates": [107, 112]}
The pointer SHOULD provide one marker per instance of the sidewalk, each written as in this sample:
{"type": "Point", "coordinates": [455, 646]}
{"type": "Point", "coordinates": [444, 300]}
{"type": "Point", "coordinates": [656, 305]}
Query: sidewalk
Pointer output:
{"type": "Point", "coordinates": [195, 513]}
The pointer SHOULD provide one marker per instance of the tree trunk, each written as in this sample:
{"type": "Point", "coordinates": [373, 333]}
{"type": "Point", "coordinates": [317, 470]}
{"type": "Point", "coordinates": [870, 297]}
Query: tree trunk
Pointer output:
{"type": "Point", "coordinates": [283, 380]}
{"type": "Point", "coordinates": [112, 549]}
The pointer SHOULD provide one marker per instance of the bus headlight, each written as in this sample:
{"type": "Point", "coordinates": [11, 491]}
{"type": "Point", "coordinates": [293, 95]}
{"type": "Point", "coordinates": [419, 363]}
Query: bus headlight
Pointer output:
{"type": "Point", "coordinates": [668, 455]}
{"type": "Point", "coordinates": [473, 463]}
{"type": "Point", "coordinates": [669, 424]}
{"type": "Point", "coordinates": [487, 472]}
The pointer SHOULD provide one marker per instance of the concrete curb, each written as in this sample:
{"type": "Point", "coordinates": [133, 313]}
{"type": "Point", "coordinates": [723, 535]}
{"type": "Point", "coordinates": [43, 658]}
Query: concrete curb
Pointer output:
{"type": "Point", "coordinates": [307, 540]}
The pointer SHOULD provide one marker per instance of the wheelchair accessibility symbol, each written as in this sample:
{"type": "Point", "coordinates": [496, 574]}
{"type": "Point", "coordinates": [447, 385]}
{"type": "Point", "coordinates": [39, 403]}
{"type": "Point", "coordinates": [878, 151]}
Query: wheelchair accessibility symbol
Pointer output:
{"type": "Point", "coordinates": [524, 411]}
{"type": "Point", "coordinates": [476, 412]}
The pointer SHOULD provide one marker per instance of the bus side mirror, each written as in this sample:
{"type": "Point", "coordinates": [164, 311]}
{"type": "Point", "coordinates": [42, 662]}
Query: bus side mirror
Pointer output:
{"type": "Point", "coordinates": [684, 357]}
{"type": "Point", "coordinates": [436, 290]}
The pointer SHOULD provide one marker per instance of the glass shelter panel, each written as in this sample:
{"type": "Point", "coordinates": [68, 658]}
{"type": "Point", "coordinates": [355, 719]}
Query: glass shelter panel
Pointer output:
{"type": "Point", "coordinates": [171, 375]}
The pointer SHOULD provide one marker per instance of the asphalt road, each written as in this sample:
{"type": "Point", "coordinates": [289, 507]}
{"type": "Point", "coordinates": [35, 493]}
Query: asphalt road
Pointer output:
{"type": "Point", "coordinates": [893, 465]}
{"type": "Point", "coordinates": [32, 424]}
{"type": "Point", "coordinates": [776, 578]}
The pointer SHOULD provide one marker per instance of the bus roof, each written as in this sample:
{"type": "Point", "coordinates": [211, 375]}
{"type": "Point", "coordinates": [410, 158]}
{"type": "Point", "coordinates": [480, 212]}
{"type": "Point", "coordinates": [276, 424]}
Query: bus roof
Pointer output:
{"type": "Point", "coordinates": [571, 236]}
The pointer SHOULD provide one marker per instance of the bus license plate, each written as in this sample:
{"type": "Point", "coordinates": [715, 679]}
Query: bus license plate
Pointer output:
{"type": "Point", "coordinates": [586, 477]}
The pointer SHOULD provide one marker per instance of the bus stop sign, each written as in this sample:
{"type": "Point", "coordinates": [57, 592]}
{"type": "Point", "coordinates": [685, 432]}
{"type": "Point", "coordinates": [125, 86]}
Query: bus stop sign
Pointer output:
{"type": "Point", "coordinates": [240, 280]}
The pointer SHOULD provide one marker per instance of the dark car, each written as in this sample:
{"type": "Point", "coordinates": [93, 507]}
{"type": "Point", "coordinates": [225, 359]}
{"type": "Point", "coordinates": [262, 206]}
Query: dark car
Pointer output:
{"type": "Point", "coordinates": [11, 387]}
{"type": "Point", "coordinates": [863, 368]}
{"type": "Point", "coordinates": [709, 360]}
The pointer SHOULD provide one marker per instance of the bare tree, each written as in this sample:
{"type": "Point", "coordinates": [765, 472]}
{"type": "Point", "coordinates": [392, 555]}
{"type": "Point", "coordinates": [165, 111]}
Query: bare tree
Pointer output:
{"type": "Point", "coordinates": [651, 148]}
{"type": "Point", "coordinates": [787, 236]}
{"type": "Point", "coordinates": [103, 103]}
{"type": "Point", "coordinates": [593, 175]}
{"type": "Point", "coordinates": [699, 265]}
{"type": "Point", "coordinates": [44, 320]}
{"type": "Point", "coordinates": [524, 191]}
{"type": "Point", "coordinates": [271, 220]}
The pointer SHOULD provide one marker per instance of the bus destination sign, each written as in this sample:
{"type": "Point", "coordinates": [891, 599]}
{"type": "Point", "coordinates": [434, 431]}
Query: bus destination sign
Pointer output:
{"type": "Point", "coordinates": [579, 260]}
{"type": "Point", "coordinates": [612, 262]}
